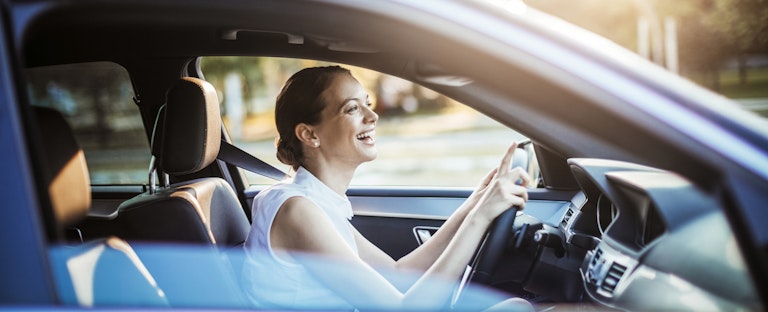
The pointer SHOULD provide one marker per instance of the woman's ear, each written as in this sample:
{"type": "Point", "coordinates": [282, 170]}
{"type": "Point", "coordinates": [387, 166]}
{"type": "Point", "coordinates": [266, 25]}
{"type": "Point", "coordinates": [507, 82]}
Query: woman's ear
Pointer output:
{"type": "Point", "coordinates": [306, 134]}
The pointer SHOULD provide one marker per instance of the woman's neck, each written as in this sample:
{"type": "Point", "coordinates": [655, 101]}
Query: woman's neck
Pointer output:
{"type": "Point", "coordinates": [337, 178]}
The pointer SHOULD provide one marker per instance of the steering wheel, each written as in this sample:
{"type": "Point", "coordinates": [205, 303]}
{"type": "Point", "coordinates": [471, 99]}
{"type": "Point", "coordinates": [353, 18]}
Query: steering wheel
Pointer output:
{"type": "Point", "coordinates": [488, 254]}
{"type": "Point", "coordinates": [490, 251]}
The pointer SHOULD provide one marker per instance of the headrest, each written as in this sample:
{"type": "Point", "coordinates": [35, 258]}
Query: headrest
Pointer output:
{"type": "Point", "coordinates": [69, 186]}
{"type": "Point", "coordinates": [192, 130]}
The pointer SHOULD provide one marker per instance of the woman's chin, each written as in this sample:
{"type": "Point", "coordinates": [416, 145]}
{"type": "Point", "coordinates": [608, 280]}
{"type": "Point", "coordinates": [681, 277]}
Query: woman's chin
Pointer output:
{"type": "Point", "coordinates": [371, 154]}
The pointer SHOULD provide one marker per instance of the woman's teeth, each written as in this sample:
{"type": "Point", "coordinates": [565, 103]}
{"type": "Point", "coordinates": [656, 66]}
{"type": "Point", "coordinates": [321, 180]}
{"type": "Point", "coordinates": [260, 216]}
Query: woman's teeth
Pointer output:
{"type": "Point", "coordinates": [367, 134]}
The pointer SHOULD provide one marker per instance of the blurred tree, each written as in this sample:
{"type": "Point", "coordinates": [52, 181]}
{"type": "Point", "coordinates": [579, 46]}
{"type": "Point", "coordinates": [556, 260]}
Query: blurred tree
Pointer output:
{"type": "Point", "coordinates": [744, 24]}
{"type": "Point", "coordinates": [713, 32]}
{"type": "Point", "coordinates": [216, 70]}
{"type": "Point", "coordinates": [613, 19]}
{"type": "Point", "coordinates": [262, 77]}
{"type": "Point", "coordinates": [90, 91]}
{"type": "Point", "coordinates": [744, 21]}
{"type": "Point", "coordinates": [247, 87]}
{"type": "Point", "coordinates": [702, 51]}
{"type": "Point", "coordinates": [710, 32]}
{"type": "Point", "coordinates": [693, 34]}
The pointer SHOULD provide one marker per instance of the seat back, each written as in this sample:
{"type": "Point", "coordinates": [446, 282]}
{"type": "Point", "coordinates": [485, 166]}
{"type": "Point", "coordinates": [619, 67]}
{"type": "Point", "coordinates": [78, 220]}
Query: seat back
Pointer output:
{"type": "Point", "coordinates": [100, 273]}
{"type": "Point", "coordinates": [204, 210]}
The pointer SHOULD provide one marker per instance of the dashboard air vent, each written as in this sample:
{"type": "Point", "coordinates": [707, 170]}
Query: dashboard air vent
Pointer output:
{"type": "Point", "coordinates": [597, 256]}
{"type": "Point", "coordinates": [612, 278]}
{"type": "Point", "coordinates": [568, 215]}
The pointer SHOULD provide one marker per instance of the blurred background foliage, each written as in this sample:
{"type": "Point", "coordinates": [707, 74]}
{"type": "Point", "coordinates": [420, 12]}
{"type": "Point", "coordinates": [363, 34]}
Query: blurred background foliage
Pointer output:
{"type": "Point", "coordinates": [722, 44]}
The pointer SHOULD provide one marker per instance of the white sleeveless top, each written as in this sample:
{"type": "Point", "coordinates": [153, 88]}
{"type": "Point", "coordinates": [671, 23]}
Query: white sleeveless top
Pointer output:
{"type": "Point", "coordinates": [270, 281]}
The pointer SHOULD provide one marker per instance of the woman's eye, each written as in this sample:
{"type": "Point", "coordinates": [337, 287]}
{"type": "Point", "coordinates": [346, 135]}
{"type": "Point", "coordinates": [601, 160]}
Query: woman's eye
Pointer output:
{"type": "Point", "coordinates": [369, 104]}
{"type": "Point", "coordinates": [352, 109]}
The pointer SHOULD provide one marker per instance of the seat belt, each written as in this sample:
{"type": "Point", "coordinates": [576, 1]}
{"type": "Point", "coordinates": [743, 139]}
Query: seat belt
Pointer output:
{"type": "Point", "coordinates": [233, 155]}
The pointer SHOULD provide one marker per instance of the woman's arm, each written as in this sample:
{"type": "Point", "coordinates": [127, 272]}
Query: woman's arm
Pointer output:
{"type": "Point", "coordinates": [421, 258]}
{"type": "Point", "coordinates": [425, 255]}
{"type": "Point", "coordinates": [306, 233]}
{"type": "Point", "coordinates": [300, 228]}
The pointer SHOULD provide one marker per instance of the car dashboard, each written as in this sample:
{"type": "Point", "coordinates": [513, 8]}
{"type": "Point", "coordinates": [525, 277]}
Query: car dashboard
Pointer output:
{"type": "Point", "coordinates": [650, 233]}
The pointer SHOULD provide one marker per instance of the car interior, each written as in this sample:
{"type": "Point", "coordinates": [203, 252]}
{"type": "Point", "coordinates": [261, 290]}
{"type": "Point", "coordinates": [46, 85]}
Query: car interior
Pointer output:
{"type": "Point", "coordinates": [86, 273]}
{"type": "Point", "coordinates": [188, 140]}
{"type": "Point", "coordinates": [596, 232]}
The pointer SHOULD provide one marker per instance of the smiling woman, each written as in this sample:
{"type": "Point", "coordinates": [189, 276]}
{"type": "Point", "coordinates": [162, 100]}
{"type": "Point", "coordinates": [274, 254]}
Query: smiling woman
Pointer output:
{"type": "Point", "coordinates": [422, 135]}
{"type": "Point", "coordinates": [320, 94]}
{"type": "Point", "coordinates": [326, 123]}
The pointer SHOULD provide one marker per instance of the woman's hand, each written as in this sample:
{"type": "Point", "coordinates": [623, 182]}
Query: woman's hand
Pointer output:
{"type": "Point", "coordinates": [479, 191]}
{"type": "Point", "coordinates": [487, 201]}
{"type": "Point", "coordinates": [499, 192]}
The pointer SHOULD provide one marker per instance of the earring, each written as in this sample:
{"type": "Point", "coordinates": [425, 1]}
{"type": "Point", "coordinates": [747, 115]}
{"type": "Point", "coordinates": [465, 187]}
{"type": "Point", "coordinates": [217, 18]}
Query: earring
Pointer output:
{"type": "Point", "coordinates": [317, 144]}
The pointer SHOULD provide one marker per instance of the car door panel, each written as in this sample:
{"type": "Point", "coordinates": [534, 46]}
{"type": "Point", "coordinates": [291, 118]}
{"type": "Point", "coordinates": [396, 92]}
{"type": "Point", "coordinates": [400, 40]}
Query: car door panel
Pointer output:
{"type": "Point", "coordinates": [391, 217]}
{"type": "Point", "coordinates": [394, 235]}
{"type": "Point", "coordinates": [393, 222]}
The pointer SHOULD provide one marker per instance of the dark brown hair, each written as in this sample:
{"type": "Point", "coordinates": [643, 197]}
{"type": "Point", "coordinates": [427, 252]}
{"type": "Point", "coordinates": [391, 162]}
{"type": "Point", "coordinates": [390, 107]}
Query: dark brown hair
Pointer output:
{"type": "Point", "coordinates": [300, 101]}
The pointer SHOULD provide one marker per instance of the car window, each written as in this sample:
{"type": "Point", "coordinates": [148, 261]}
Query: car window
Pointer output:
{"type": "Point", "coordinates": [97, 101]}
{"type": "Point", "coordinates": [423, 138]}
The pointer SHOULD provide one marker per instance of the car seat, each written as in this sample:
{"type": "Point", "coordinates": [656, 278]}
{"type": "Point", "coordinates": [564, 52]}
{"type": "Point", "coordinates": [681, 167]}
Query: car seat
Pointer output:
{"type": "Point", "coordinates": [105, 272]}
{"type": "Point", "coordinates": [186, 139]}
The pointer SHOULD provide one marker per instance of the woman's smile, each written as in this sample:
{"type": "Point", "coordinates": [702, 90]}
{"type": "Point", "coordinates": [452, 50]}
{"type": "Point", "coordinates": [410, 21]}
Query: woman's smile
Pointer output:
{"type": "Point", "coordinates": [367, 137]}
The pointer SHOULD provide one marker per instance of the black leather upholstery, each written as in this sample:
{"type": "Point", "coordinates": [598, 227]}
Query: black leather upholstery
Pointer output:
{"type": "Point", "coordinates": [192, 128]}
{"type": "Point", "coordinates": [204, 210]}
{"type": "Point", "coordinates": [197, 211]}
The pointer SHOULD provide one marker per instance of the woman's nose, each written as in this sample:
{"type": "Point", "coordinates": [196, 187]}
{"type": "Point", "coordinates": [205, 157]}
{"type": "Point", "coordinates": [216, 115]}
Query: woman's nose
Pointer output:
{"type": "Point", "coordinates": [370, 115]}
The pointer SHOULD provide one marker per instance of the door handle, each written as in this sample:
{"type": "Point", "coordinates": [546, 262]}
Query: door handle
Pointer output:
{"type": "Point", "coordinates": [424, 233]}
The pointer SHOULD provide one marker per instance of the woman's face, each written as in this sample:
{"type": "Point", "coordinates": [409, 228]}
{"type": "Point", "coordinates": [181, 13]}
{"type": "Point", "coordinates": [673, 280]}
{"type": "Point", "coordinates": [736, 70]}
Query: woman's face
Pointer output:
{"type": "Point", "coordinates": [346, 130]}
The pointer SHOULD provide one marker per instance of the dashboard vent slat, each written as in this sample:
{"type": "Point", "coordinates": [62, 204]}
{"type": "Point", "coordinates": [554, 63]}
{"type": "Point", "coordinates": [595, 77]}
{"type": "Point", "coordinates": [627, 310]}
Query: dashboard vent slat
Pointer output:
{"type": "Point", "coordinates": [598, 255]}
{"type": "Point", "coordinates": [615, 272]}
{"type": "Point", "coordinates": [568, 215]}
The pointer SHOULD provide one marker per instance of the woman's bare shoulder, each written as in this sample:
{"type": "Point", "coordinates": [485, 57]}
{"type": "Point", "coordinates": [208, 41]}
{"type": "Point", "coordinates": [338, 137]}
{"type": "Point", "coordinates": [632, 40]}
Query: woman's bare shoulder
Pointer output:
{"type": "Point", "coordinates": [301, 225]}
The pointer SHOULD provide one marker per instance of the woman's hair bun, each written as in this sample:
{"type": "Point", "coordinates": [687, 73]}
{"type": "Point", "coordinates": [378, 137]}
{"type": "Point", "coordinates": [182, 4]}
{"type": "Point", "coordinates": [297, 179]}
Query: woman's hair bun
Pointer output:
{"type": "Point", "coordinates": [287, 155]}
